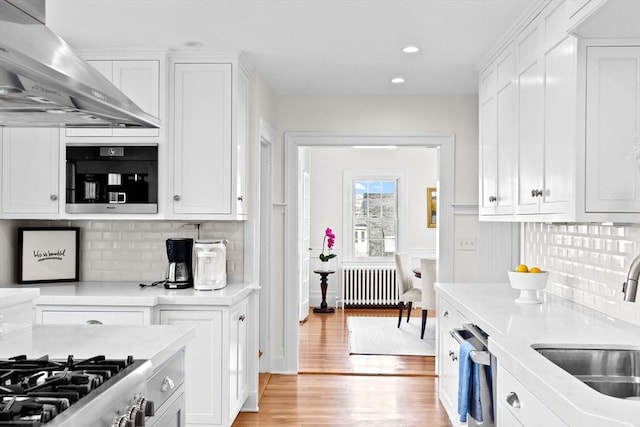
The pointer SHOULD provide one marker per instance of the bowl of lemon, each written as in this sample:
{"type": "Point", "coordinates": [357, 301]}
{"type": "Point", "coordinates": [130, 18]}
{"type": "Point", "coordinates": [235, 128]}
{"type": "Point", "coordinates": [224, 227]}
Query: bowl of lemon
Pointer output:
{"type": "Point", "coordinates": [529, 281]}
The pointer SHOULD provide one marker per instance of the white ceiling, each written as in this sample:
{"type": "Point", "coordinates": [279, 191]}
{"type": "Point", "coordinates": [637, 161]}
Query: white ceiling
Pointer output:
{"type": "Point", "coordinates": [309, 47]}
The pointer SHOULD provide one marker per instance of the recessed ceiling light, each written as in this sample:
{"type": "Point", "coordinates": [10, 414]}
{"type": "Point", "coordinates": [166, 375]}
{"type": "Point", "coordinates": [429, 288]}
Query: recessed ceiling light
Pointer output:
{"type": "Point", "coordinates": [193, 44]}
{"type": "Point", "coordinates": [411, 49]}
{"type": "Point", "coordinates": [397, 80]}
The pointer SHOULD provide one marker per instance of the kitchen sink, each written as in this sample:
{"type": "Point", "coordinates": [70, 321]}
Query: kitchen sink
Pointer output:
{"type": "Point", "coordinates": [611, 371]}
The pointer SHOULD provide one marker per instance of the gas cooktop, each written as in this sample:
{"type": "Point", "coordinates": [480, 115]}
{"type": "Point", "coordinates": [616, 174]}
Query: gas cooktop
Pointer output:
{"type": "Point", "coordinates": [34, 391]}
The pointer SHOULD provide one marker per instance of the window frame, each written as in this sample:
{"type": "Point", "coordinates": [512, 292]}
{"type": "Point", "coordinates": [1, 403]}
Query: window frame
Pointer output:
{"type": "Point", "coordinates": [347, 224]}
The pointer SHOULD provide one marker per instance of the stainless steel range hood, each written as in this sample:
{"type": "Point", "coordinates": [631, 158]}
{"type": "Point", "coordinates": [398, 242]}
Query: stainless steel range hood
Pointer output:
{"type": "Point", "coordinates": [44, 83]}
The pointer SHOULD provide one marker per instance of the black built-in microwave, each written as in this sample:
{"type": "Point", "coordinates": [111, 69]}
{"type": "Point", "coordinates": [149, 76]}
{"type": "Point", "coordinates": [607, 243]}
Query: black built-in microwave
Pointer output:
{"type": "Point", "coordinates": [112, 178]}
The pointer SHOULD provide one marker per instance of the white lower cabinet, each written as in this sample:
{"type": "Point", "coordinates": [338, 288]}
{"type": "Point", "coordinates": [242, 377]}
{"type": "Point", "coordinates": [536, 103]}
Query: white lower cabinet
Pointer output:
{"type": "Point", "coordinates": [221, 366]}
{"type": "Point", "coordinates": [204, 374]}
{"type": "Point", "coordinates": [79, 315]}
{"type": "Point", "coordinates": [448, 350]}
{"type": "Point", "coordinates": [216, 361]}
{"type": "Point", "coordinates": [516, 402]}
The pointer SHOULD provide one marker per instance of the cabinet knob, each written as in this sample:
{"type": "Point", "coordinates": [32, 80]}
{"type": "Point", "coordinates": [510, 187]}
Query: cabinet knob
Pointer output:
{"type": "Point", "coordinates": [53, 197]}
{"type": "Point", "coordinates": [176, 197]}
{"type": "Point", "coordinates": [451, 353]}
{"type": "Point", "coordinates": [492, 199]}
{"type": "Point", "coordinates": [445, 313]}
{"type": "Point", "coordinates": [454, 357]}
{"type": "Point", "coordinates": [167, 384]}
{"type": "Point", "coordinates": [513, 400]}
{"type": "Point", "coordinates": [536, 193]}
{"type": "Point", "coordinates": [242, 317]}
{"type": "Point", "coordinates": [93, 322]}
{"type": "Point", "coordinates": [240, 198]}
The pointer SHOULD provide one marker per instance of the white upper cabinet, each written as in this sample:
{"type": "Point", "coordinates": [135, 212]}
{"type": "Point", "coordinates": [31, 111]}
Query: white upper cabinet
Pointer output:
{"type": "Point", "coordinates": [530, 123]}
{"type": "Point", "coordinates": [202, 138]}
{"type": "Point", "coordinates": [209, 110]}
{"type": "Point", "coordinates": [141, 80]}
{"type": "Point", "coordinates": [612, 142]}
{"type": "Point", "coordinates": [30, 171]}
{"type": "Point", "coordinates": [497, 130]}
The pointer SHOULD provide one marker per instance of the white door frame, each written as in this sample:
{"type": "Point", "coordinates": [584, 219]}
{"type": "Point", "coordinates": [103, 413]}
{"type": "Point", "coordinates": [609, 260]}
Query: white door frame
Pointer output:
{"type": "Point", "coordinates": [264, 234]}
{"type": "Point", "coordinates": [444, 141]}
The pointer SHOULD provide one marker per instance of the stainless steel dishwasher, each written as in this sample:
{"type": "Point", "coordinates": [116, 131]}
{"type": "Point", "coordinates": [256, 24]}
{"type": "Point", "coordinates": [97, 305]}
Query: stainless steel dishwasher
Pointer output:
{"type": "Point", "coordinates": [487, 364]}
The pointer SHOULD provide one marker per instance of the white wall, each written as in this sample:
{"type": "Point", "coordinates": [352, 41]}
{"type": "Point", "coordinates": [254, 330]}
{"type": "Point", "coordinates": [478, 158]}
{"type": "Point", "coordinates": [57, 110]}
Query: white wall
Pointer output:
{"type": "Point", "coordinates": [327, 166]}
{"type": "Point", "coordinates": [402, 114]}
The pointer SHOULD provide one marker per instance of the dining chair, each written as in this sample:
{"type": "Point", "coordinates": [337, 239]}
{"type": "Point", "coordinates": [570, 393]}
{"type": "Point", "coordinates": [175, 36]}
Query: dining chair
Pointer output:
{"type": "Point", "coordinates": [428, 278]}
{"type": "Point", "coordinates": [407, 293]}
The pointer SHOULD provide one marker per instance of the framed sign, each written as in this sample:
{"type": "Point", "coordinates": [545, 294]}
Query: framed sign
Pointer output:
{"type": "Point", "coordinates": [48, 254]}
{"type": "Point", "coordinates": [432, 207]}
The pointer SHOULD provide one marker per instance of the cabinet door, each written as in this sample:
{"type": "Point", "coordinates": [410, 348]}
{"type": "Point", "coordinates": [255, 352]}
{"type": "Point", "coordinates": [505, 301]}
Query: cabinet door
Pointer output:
{"type": "Point", "coordinates": [203, 361]}
{"type": "Point", "coordinates": [613, 129]}
{"type": "Point", "coordinates": [140, 82]}
{"type": "Point", "coordinates": [30, 170]}
{"type": "Point", "coordinates": [238, 385]}
{"type": "Point", "coordinates": [242, 123]}
{"type": "Point", "coordinates": [559, 125]}
{"type": "Point", "coordinates": [530, 119]}
{"type": "Point", "coordinates": [448, 351]}
{"type": "Point", "coordinates": [202, 139]}
{"type": "Point", "coordinates": [488, 144]}
{"type": "Point", "coordinates": [506, 145]}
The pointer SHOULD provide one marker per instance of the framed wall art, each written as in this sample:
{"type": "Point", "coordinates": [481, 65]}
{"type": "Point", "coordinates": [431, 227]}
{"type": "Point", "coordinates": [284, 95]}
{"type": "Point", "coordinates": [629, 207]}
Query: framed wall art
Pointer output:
{"type": "Point", "coordinates": [432, 205]}
{"type": "Point", "coordinates": [48, 254]}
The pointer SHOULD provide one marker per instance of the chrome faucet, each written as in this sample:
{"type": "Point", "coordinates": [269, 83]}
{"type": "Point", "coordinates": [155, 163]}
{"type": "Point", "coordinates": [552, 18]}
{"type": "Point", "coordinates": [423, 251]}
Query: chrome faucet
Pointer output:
{"type": "Point", "coordinates": [630, 287]}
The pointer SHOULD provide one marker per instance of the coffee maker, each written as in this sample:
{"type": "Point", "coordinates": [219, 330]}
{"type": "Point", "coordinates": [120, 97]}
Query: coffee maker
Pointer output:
{"type": "Point", "coordinates": [179, 271]}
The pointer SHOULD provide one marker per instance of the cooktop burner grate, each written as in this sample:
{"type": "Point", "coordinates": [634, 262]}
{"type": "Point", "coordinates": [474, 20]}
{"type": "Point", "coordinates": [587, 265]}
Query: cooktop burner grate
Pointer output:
{"type": "Point", "coordinates": [34, 391]}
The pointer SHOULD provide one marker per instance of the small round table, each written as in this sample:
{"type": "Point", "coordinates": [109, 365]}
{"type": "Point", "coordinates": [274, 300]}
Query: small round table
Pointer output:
{"type": "Point", "coordinates": [324, 308]}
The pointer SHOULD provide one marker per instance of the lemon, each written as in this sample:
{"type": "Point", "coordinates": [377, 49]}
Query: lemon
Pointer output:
{"type": "Point", "coordinates": [535, 270]}
{"type": "Point", "coordinates": [522, 268]}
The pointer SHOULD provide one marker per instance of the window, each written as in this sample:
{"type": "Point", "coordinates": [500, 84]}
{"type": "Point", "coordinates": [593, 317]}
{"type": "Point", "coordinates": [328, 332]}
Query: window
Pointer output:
{"type": "Point", "coordinates": [371, 217]}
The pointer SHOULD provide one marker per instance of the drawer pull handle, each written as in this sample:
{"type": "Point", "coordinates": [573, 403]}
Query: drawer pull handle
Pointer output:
{"type": "Point", "coordinates": [242, 317]}
{"type": "Point", "coordinates": [513, 400]}
{"type": "Point", "coordinates": [93, 322]}
{"type": "Point", "coordinates": [167, 384]}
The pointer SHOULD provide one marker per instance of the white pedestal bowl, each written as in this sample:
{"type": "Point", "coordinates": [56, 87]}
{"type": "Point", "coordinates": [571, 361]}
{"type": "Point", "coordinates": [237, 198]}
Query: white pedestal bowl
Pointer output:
{"type": "Point", "coordinates": [529, 284]}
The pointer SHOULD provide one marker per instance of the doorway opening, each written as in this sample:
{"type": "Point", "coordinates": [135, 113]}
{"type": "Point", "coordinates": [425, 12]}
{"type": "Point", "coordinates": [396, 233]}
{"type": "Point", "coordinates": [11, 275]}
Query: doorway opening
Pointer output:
{"type": "Point", "coordinates": [294, 142]}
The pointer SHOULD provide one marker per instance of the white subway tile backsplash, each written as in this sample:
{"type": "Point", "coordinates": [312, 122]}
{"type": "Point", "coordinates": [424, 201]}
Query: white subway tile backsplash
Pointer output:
{"type": "Point", "coordinates": [136, 251]}
{"type": "Point", "coordinates": [588, 263]}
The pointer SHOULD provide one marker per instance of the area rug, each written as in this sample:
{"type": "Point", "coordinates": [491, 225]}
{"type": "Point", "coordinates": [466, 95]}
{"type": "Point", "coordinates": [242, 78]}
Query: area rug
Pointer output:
{"type": "Point", "coordinates": [381, 335]}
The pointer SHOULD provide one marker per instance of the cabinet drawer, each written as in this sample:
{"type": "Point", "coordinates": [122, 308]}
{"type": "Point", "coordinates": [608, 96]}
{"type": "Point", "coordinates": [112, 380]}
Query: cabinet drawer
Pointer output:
{"type": "Point", "coordinates": [93, 317]}
{"type": "Point", "coordinates": [504, 418]}
{"type": "Point", "coordinates": [531, 411]}
{"type": "Point", "coordinates": [166, 380]}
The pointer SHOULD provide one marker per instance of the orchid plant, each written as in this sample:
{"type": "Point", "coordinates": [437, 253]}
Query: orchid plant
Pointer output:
{"type": "Point", "coordinates": [329, 240]}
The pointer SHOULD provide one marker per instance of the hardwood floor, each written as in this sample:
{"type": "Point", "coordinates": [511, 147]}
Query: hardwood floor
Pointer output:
{"type": "Point", "coordinates": [334, 388]}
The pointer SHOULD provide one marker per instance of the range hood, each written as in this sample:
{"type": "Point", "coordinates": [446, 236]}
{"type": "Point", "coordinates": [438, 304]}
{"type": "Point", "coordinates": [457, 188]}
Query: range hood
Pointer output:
{"type": "Point", "coordinates": [43, 83]}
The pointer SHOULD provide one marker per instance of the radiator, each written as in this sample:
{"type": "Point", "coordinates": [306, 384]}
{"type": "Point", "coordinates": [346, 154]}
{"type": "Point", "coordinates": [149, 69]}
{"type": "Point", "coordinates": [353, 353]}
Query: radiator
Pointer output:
{"type": "Point", "coordinates": [369, 285]}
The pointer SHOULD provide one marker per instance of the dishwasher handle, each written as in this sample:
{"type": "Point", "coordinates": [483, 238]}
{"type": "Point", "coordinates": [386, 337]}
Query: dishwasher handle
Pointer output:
{"type": "Point", "coordinates": [481, 357]}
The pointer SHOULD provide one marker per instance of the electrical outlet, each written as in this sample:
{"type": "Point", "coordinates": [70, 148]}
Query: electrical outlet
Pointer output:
{"type": "Point", "coordinates": [465, 243]}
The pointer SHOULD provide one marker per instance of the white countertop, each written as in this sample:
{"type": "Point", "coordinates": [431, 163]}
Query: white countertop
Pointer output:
{"type": "Point", "coordinates": [156, 343]}
{"type": "Point", "coordinates": [131, 294]}
{"type": "Point", "coordinates": [17, 295]}
{"type": "Point", "coordinates": [513, 328]}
